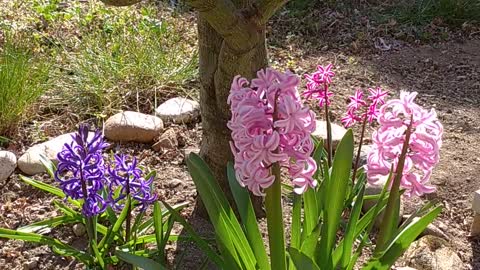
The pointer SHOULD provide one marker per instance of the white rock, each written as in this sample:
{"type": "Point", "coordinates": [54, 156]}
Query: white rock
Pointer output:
{"type": "Point", "coordinates": [475, 227]}
{"type": "Point", "coordinates": [79, 229]}
{"type": "Point", "coordinates": [173, 183]}
{"type": "Point", "coordinates": [29, 163]}
{"type": "Point", "coordinates": [431, 253]}
{"type": "Point", "coordinates": [178, 110]}
{"type": "Point", "coordinates": [476, 202]}
{"type": "Point", "coordinates": [8, 163]}
{"type": "Point", "coordinates": [133, 126]}
{"type": "Point", "coordinates": [31, 264]}
{"type": "Point", "coordinates": [321, 132]}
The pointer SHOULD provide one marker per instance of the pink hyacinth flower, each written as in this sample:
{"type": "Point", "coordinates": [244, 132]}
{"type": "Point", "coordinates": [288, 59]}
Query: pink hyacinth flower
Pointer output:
{"type": "Point", "coordinates": [358, 108]}
{"type": "Point", "coordinates": [423, 148]}
{"type": "Point", "coordinates": [270, 124]}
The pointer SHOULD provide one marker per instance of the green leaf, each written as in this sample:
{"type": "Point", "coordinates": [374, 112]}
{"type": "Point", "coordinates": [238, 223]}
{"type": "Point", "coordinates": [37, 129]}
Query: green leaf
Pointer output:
{"type": "Point", "coordinates": [200, 242]}
{"type": "Point", "coordinates": [150, 238]}
{"type": "Point", "coordinates": [167, 228]}
{"type": "Point", "coordinates": [351, 228]}
{"type": "Point", "coordinates": [366, 220]}
{"type": "Point", "coordinates": [145, 226]}
{"type": "Point", "coordinates": [249, 220]}
{"type": "Point", "coordinates": [402, 241]}
{"type": "Point", "coordinates": [139, 261]}
{"type": "Point", "coordinates": [62, 248]}
{"type": "Point", "coordinates": [296, 230]}
{"type": "Point", "coordinates": [379, 207]}
{"type": "Point", "coordinates": [310, 244]}
{"type": "Point", "coordinates": [302, 261]}
{"type": "Point", "coordinates": [232, 240]}
{"type": "Point", "coordinates": [310, 211]}
{"type": "Point", "coordinates": [67, 210]}
{"type": "Point", "coordinates": [108, 238]}
{"type": "Point", "coordinates": [44, 226]}
{"type": "Point", "coordinates": [335, 193]}
{"type": "Point", "coordinates": [45, 187]}
{"type": "Point", "coordinates": [49, 165]}
{"type": "Point", "coordinates": [157, 224]}
{"type": "Point", "coordinates": [98, 255]}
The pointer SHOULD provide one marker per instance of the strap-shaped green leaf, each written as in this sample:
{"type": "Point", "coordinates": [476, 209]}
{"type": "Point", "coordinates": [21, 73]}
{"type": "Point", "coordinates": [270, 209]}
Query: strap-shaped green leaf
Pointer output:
{"type": "Point", "coordinates": [351, 228]}
{"type": "Point", "coordinates": [64, 249]}
{"type": "Point", "coordinates": [109, 237]}
{"type": "Point", "coordinates": [145, 226]}
{"type": "Point", "coordinates": [336, 191]}
{"type": "Point", "coordinates": [49, 165]}
{"type": "Point", "coordinates": [228, 229]}
{"type": "Point", "coordinates": [302, 261]}
{"type": "Point", "coordinates": [158, 225]}
{"type": "Point", "coordinates": [200, 242]}
{"type": "Point", "coordinates": [402, 241]}
{"type": "Point", "coordinates": [45, 225]}
{"type": "Point", "coordinates": [249, 220]}
{"type": "Point", "coordinates": [139, 261]}
{"type": "Point", "coordinates": [43, 186]}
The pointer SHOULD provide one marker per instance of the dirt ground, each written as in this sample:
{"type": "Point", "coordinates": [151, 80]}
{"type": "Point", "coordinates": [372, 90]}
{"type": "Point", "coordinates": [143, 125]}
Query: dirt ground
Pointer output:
{"type": "Point", "coordinates": [445, 73]}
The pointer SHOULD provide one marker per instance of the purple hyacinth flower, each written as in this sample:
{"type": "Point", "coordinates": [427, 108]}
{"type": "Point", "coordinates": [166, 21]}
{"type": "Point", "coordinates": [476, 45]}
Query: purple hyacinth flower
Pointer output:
{"type": "Point", "coordinates": [128, 177]}
{"type": "Point", "coordinates": [81, 170]}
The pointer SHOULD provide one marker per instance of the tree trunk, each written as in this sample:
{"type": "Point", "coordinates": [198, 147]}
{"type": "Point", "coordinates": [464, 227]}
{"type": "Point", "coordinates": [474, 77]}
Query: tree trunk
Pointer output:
{"type": "Point", "coordinates": [218, 65]}
{"type": "Point", "coordinates": [231, 37]}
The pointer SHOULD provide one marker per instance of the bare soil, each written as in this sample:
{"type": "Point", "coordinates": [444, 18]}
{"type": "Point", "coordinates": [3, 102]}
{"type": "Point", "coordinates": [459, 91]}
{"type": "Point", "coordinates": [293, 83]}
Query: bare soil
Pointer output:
{"type": "Point", "coordinates": [445, 73]}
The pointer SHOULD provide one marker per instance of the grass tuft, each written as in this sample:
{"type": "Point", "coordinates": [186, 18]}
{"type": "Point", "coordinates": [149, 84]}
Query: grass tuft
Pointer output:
{"type": "Point", "coordinates": [23, 79]}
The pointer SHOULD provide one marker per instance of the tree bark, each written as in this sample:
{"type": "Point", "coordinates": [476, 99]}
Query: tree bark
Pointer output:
{"type": "Point", "coordinates": [218, 64]}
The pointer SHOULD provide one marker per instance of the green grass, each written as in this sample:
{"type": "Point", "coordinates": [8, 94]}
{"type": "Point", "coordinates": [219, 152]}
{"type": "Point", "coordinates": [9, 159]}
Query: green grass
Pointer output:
{"type": "Point", "coordinates": [450, 12]}
{"type": "Point", "coordinates": [122, 65]}
{"type": "Point", "coordinates": [23, 79]}
{"type": "Point", "coordinates": [106, 59]}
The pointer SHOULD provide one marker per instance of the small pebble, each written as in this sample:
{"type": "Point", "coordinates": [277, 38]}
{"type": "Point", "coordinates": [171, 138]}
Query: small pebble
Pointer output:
{"type": "Point", "coordinates": [175, 183]}
{"type": "Point", "coordinates": [79, 229]}
{"type": "Point", "coordinates": [32, 264]}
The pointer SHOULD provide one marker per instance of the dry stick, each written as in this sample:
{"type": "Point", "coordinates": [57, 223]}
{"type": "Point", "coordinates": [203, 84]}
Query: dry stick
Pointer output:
{"type": "Point", "coordinates": [357, 159]}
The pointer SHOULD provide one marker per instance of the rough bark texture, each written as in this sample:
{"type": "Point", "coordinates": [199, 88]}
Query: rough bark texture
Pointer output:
{"type": "Point", "coordinates": [218, 65]}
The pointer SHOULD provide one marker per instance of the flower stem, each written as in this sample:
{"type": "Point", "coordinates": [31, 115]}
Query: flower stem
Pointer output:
{"type": "Point", "coordinates": [274, 209]}
{"type": "Point", "coordinates": [129, 212]}
{"type": "Point", "coordinates": [88, 220]}
{"type": "Point", "coordinates": [273, 205]}
{"type": "Point", "coordinates": [390, 217]}
{"type": "Point", "coordinates": [329, 129]}
{"type": "Point", "coordinates": [357, 159]}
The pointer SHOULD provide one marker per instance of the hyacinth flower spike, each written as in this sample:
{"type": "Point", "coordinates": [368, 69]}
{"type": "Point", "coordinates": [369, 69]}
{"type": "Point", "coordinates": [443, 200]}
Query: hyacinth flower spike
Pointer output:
{"type": "Point", "coordinates": [126, 176]}
{"type": "Point", "coordinates": [271, 130]}
{"type": "Point", "coordinates": [81, 173]}
{"type": "Point", "coordinates": [408, 140]}
{"type": "Point", "coordinates": [364, 111]}
{"type": "Point", "coordinates": [317, 88]}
